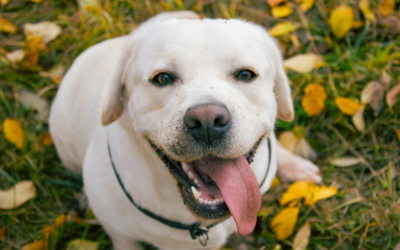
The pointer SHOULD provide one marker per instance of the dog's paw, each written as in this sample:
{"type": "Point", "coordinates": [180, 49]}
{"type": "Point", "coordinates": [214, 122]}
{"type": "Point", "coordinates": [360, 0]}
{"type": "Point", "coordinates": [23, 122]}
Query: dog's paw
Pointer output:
{"type": "Point", "coordinates": [294, 168]}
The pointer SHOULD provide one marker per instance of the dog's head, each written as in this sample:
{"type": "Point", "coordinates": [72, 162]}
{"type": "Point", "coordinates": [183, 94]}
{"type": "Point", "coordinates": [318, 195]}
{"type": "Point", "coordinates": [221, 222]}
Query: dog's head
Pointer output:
{"type": "Point", "coordinates": [204, 93]}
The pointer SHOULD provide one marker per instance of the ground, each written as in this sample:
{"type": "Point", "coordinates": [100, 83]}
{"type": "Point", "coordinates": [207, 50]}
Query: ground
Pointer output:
{"type": "Point", "coordinates": [364, 214]}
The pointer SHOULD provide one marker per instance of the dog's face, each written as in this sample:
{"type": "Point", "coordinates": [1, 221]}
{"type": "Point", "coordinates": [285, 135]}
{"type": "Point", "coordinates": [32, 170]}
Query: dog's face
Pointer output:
{"type": "Point", "coordinates": [204, 93]}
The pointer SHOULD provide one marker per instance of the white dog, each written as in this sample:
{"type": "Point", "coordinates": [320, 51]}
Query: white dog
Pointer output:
{"type": "Point", "coordinates": [164, 124]}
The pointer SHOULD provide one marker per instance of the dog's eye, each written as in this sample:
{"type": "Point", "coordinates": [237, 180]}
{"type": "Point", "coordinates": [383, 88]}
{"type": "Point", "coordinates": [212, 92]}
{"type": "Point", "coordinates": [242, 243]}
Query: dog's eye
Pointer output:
{"type": "Point", "coordinates": [245, 75]}
{"type": "Point", "coordinates": [163, 79]}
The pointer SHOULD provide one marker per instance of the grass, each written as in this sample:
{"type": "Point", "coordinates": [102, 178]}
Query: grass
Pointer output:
{"type": "Point", "coordinates": [367, 193]}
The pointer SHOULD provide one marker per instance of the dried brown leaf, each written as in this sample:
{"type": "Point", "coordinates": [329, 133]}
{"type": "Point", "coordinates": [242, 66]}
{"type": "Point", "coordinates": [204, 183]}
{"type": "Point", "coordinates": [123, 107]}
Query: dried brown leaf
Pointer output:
{"type": "Point", "coordinates": [303, 63]}
{"type": "Point", "coordinates": [302, 237]}
{"type": "Point", "coordinates": [47, 31]}
{"type": "Point", "coordinates": [358, 119]}
{"type": "Point", "coordinates": [17, 195]}
{"type": "Point", "coordinates": [346, 161]}
{"type": "Point", "coordinates": [392, 96]}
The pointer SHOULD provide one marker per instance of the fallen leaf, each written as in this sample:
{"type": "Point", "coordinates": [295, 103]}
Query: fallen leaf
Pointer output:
{"type": "Point", "coordinates": [36, 1]}
{"type": "Point", "coordinates": [274, 182]}
{"type": "Point", "coordinates": [302, 237]}
{"type": "Point", "coordinates": [304, 150]}
{"type": "Point", "coordinates": [60, 220]}
{"type": "Point", "coordinates": [281, 11]}
{"type": "Point", "coordinates": [17, 195]}
{"type": "Point", "coordinates": [3, 232]}
{"type": "Point", "coordinates": [30, 100]}
{"type": "Point", "coordinates": [358, 119]}
{"type": "Point", "coordinates": [397, 131]}
{"type": "Point", "coordinates": [313, 101]}
{"type": "Point", "coordinates": [88, 7]}
{"type": "Point", "coordinates": [357, 24]}
{"type": "Point", "coordinates": [372, 94]}
{"type": "Point", "coordinates": [36, 245]}
{"type": "Point", "coordinates": [341, 20]}
{"type": "Point", "coordinates": [296, 145]}
{"type": "Point", "coordinates": [273, 3]}
{"type": "Point", "coordinates": [392, 96]}
{"type": "Point", "coordinates": [284, 222]}
{"type": "Point", "coordinates": [264, 211]}
{"type": "Point", "coordinates": [319, 193]}
{"type": "Point", "coordinates": [55, 74]}
{"type": "Point", "coordinates": [303, 63]}
{"type": "Point", "coordinates": [32, 46]}
{"type": "Point", "coordinates": [392, 24]}
{"type": "Point", "coordinates": [385, 80]}
{"type": "Point", "coordinates": [366, 10]}
{"type": "Point", "coordinates": [13, 132]}
{"type": "Point", "coordinates": [46, 139]}
{"type": "Point", "coordinates": [281, 29]}
{"type": "Point", "coordinates": [15, 56]}
{"type": "Point", "coordinates": [47, 31]}
{"type": "Point", "coordinates": [4, 2]}
{"type": "Point", "coordinates": [295, 192]}
{"type": "Point", "coordinates": [346, 105]}
{"type": "Point", "coordinates": [81, 244]}
{"type": "Point", "coordinates": [305, 5]}
{"type": "Point", "coordinates": [7, 26]}
{"type": "Point", "coordinates": [346, 161]}
{"type": "Point", "coordinates": [386, 7]}
{"type": "Point", "coordinates": [397, 247]}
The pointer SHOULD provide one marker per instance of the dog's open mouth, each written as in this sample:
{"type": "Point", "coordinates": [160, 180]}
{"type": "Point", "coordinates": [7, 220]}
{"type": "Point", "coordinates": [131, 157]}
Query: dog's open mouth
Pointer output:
{"type": "Point", "coordinates": [215, 188]}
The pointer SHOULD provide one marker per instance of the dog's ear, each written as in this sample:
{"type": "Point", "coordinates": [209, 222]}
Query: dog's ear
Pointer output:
{"type": "Point", "coordinates": [113, 107]}
{"type": "Point", "coordinates": [281, 88]}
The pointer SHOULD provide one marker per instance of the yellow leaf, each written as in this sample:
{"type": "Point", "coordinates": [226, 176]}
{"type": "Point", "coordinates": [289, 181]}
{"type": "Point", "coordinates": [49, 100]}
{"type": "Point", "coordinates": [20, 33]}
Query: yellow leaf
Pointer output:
{"type": "Point", "coordinates": [305, 5]}
{"type": "Point", "coordinates": [17, 195]}
{"type": "Point", "coordinates": [273, 3]}
{"type": "Point", "coordinates": [320, 193]}
{"type": "Point", "coordinates": [302, 237]}
{"type": "Point", "coordinates": [47, 31]}
{"type": "Point", "coordinates": [397, 131]}
{"type": "Point", "coordinates": [36, 245]}
{"type": "Point", "coordinates": [386, 7]}
{"type": "Point", "coordinates": [7, 26]}
{"type": "Point", "coordinates": [274, 182]}
{"type": "Point", "coordinates": [392, 96]}
{"type": "Point", "coordinates": [298, 146]}
{"type": "Point", "coordinates": [341, 20]}
{"type": "Point", "coordinates": [46, 139]}
{"type": "Point", "coordinates": [265, 211]}
{"type": "Point", "coordinates": [36, 1]}
{"type": "Point", "coordinates": [59, 221]}
{"type": "Point", "coordinates": [281, 29]}
{"type": "Point", "coordinates": [358, 119]}
{"type": "Point", "coordinates": [366, 10]}
{"type": "Point", "coordinates": [284, 222]}
{"type": "Point", "coordinates": [4, 2]}
{"type": "Point", "coordinates": [357, 24]}
{"type": "Point", "coordinates": [303, 63]}
{"type": "Point", "coordinates": [346, 105]}
{"type": "Point", "coordinates": [288, 140]}
{"type": "Point", "coordinates": [296, 191]}
{"type": "Point", "coordinates": [281, 11]}
{"type": "Point", "coordinates": [81, 244]}
{"type": "Point", "coordinates": [313, 101]}
{"type": "Point", "coordinates": [13, 132]}
{"type": "Point", "coordinates": [32, 46]}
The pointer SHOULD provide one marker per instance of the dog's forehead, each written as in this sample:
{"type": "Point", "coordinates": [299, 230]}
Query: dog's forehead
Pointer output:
{"type": "Point", "coordinates": [184, 39]}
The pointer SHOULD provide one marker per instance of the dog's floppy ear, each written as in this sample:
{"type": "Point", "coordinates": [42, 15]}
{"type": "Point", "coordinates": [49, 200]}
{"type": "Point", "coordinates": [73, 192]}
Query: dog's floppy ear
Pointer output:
{"type": "Point", "coordinates": [281, 88]}
{"type": "Point", "coordinates": [114, 99]}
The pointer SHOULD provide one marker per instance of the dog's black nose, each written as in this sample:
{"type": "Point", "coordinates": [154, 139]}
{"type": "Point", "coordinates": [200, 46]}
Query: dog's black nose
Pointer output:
{"type": "Point", "coordinates": [207, 122]}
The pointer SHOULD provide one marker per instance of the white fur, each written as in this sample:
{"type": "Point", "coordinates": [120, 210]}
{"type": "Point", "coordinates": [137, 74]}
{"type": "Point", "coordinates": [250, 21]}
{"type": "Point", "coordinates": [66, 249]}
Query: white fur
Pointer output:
{"type": "Point", "coordinates": [203, 54]}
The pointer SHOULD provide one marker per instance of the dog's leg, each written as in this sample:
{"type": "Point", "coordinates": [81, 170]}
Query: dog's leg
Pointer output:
{"type": "Point", "coordinates": [294, 168]}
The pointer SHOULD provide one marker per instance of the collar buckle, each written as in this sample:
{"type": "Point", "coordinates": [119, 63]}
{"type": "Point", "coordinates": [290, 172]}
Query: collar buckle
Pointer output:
{"type": "Point", "coordinates": [200, 233]}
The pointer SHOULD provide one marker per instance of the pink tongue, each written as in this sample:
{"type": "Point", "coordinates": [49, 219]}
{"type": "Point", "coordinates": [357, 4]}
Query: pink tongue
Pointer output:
{"type": "Point", "coordinates": [238, 186]}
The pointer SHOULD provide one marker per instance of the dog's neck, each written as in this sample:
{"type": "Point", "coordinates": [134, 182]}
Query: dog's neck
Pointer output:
{"type": "Point", "coordinates": [143, 173]}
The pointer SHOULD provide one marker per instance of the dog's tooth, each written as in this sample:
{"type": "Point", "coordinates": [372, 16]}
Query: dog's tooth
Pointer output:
{"type": "Point", "coordinates": [201, 200]}
{"type": "Point", "coordinates": [196, 193]}
{"type": "Point", "coordinates": [185, 167]}
{"type": "Point", "coordinates": [197, 182]}
{"type": "Point", "coordinates": [190, 174]}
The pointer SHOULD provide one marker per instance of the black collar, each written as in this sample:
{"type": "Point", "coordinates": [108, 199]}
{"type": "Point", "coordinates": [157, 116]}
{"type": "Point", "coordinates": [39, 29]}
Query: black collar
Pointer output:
{"type": "Point", "coordinates": [195, 230]}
